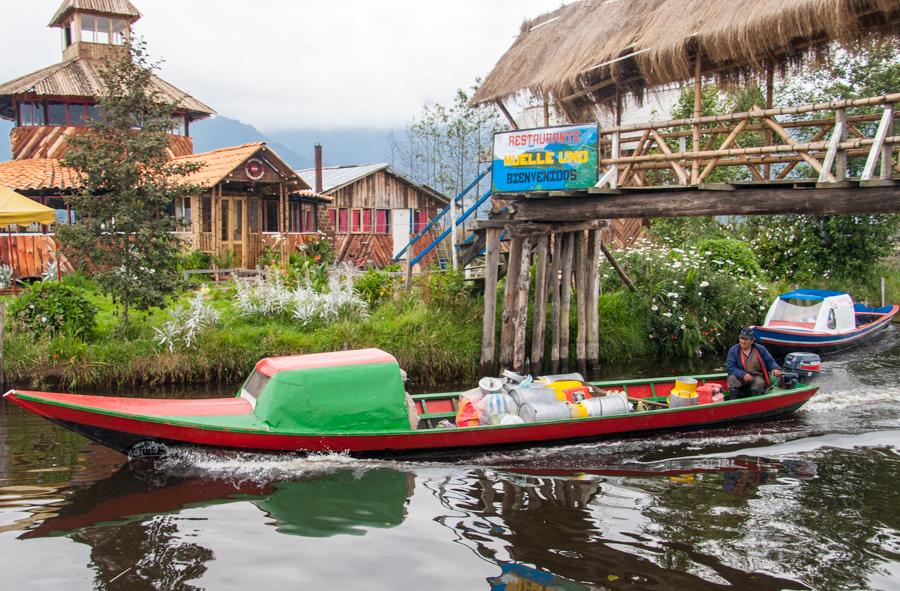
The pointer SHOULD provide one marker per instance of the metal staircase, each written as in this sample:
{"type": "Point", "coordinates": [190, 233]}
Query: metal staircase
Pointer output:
{"type": "Point", "coordinates": [469, 248]}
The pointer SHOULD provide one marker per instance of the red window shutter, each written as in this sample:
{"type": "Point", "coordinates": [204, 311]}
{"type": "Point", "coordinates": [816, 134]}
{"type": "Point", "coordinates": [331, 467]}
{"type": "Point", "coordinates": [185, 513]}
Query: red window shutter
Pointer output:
{"type": "Point", "coordinates": [344, 225]}
{"type": "Point", "coordinates": [367, 221]}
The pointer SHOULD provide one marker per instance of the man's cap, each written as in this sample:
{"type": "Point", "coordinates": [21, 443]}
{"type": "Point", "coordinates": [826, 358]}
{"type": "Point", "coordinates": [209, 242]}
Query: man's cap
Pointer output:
{"type": "Point", "coordinates": [748, 333]}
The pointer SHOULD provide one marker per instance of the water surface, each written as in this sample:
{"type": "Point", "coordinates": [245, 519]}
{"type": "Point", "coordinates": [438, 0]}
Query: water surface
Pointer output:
{"type": "Point", "coordinates": [805, 502]}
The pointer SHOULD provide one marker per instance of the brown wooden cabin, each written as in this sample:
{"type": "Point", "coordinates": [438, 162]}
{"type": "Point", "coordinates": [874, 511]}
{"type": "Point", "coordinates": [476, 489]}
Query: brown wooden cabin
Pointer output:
{"type": "Point", "coordinates": [252, 201]}
{"type": "Point", "coordinates": [375, 212]}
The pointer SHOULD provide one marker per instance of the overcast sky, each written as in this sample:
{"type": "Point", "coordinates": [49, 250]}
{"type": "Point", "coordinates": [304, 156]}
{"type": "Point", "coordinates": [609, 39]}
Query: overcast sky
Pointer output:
{"type": "Point", "coordinates": [298, 63]}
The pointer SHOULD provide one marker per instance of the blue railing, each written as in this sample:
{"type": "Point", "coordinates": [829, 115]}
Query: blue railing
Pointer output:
{"type": "Point", "coordinates": [446, 232]}
{"type": "Point", "coordinates": [444, 212]}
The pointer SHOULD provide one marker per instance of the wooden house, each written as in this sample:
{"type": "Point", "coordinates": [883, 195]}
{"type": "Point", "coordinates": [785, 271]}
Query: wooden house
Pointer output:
{"type": "Point", "coordinates": [251, 200]}
{"type": "Point", "coordinates": [375, 211]}
{"type": "Point", "coordinates": [54, 103]}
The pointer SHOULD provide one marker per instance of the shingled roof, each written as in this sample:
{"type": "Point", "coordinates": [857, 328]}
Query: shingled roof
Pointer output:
{"type": "Point", "coordinates": [38, 174]}
{"type": "Point", "coordinates": [81, 78]}
{"type": "Point", "coordinates": [110, 7]}
{"type": "Point", "coordinates": [335, 178]}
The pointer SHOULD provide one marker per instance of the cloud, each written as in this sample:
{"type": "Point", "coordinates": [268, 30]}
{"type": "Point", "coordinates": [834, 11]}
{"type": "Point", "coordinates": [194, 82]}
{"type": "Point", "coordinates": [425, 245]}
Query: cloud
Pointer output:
{"type": "Point", "coordinates": [287, 64]}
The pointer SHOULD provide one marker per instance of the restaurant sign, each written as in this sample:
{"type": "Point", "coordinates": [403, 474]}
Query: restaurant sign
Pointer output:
{"type": "Point", "coordinates": [548, 159]}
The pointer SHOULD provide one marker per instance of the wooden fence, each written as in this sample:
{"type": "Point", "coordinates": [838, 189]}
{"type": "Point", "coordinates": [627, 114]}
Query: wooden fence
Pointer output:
{"type": "Point", "coordinates": [826, 142]}
{"type": "Point", "coordinates": [30, 254]}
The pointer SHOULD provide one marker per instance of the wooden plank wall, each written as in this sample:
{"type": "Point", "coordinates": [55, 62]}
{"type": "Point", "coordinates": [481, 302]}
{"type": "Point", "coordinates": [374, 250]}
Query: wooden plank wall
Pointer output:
{"type": "Point", "coordinates": [49, 141]}
{"type": "Point", "coordinates": [383, 191]}
{"type": "Point", "coordinates": [30, 254]}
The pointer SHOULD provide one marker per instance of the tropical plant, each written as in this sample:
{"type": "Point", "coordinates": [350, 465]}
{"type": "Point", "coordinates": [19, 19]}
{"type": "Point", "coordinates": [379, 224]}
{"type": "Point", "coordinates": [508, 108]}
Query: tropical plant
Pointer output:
{"type": "Point", "coordinates": [51, 308]}
{"type": "Point", "coordinates": [375, 286]}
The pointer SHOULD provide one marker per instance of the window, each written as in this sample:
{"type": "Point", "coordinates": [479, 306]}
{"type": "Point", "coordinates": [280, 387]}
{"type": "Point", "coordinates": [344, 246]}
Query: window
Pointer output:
{"type": "Point", "coordinates": [356, 225]}
{"type": "Point", "coordinates": [179, 125]}
{"type": "Point", "coordinates": [88, 28]}
{"type": "Point", "coordinates": [421, 220]}
{"type": "Point", "coordinates": [223, 222]}
{"type": "Point", "coordinates": [382, 221]}
{"type": "Point", "coordinates": [57, 114]}
{"type": "Point", "coordinates": [118, 28]}
{"type": "Point", "coordinates": [295, 217]}
{"type": "Point", "coordinates": [102, 34]}
{"type": "Point", "coordinates": [367, 221]}
{"type": "Point", "coordinates": [238, 231]}
{"type": "Point", "coordinates": [94, 113]}
{"type": "Point", "coordinates": [332, 218]}
{"type": "Point", "coordinates": [207, 215]}
{"type": "Point", "coordinates": [343, 221]}
{"type": "Point", "coordinates": [67, 34]}
{"type": "Point", "coordinates": [310, 221]}
{"type": "Point", "coordinates": [270, 215]}
{"type": "Point", "coordinates": [31, 114]}
{"type": "Point", "coordinates": [183, 213]}
{"type": "Point", "coordinates": [832, 319]}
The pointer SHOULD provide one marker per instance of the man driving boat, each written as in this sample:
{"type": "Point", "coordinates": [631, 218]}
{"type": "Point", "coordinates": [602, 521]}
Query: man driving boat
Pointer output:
{"type": "Point", "coordinates": [748, 366]}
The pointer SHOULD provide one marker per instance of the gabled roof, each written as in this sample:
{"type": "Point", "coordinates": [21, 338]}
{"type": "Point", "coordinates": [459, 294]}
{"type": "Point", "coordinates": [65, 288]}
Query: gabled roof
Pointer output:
{"type": "Point", "coordinates": [218, 165]}
{"type": "Point", "coordinates": [110, 7]}
{"type": "Point", "coordinates": [38, 174]}
{"type": "Point", "coordinates": [335, 178]}
{"type": "Point", "coordinates": [80, 77]}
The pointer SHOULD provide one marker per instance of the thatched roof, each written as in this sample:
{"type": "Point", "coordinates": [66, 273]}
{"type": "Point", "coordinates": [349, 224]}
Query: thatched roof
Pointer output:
{"type": "Point", "coordinates": [589, 48]}
{"type": "Point", "coordinates": [122, 8]}
{"type": "Point", "coordinates": [80, 77]}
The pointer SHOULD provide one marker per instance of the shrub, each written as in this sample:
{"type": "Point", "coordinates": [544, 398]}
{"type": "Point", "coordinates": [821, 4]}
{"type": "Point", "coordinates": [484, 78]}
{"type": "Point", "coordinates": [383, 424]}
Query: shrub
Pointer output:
{"type": "Point", "coordinates": [375, 287]}
{"type": "Point", "coordinates": [194, 260]}
{"type": "Point", "coordinates": [445, 289]}
{"type": "Point", "coordinates": [50, 308]}
{"type": "Point", "coordinates": [730, 253]}
{"type": "Point", "coordinates": [187, 324]}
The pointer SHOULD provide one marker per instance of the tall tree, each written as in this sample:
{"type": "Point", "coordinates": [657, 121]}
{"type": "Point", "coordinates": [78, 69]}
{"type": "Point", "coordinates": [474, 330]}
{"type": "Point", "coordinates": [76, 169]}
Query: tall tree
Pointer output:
{"type": "Point", "coordinates": [123, 224]}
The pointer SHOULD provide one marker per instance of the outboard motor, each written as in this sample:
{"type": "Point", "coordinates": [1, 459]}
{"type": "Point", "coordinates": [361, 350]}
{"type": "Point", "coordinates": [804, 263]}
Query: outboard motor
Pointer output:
{"type": "Point", "coordinates": [788, 380]}
{"type": "Point", "coordinates": [805, 365]}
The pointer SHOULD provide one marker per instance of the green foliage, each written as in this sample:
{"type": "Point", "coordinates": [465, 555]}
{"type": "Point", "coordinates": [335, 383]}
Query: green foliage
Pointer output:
{"type": "Point", "coordinates": [320, 252]}
{"type": "Point", "coordinates": [730, 252]}
{"type": "Point", "coordinates": [375, 287]}
{"type": "Point", "coordinates": [691, 303]}
{"type": "Point", "coordinates": [195, 260]}
{"type": "Point", "coordinates": [623, 326]}
{"type": "Point", "coordinates": [682, 231]}
{"type": "Point", "coordinates": [447, 290]}
{"type": "Point", "coordinates": [802, 248]}
{"type": "Point", "coordinates": [51, 308]}
{"type": "Point", "coordinates": [129, 183]}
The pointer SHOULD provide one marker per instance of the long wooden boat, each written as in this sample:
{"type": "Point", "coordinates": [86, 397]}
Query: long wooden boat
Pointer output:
{"type": "Point", "coordinates": [354, 402]}
{"type": "Point", "coordinates": [821, 322]}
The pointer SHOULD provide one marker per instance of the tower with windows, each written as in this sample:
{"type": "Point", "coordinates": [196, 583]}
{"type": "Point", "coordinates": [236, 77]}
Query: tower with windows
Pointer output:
{"type": "Point", "coordinates": [50, 105]}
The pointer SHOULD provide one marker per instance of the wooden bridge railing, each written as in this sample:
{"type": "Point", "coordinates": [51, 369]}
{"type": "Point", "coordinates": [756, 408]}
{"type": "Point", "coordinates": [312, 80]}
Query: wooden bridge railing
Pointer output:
{"type": "Point", "coordinates": [832, 141]}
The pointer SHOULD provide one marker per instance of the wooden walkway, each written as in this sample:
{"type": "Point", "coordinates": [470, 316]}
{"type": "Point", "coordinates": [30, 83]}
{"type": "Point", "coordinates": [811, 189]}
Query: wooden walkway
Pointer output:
{"type": "Point", "coordinates": [826, 158]}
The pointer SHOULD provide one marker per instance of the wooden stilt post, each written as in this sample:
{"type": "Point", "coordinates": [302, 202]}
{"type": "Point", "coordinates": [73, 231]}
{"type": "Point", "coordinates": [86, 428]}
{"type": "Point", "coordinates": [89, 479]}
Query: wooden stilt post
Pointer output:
{"type": "Point", "coordinates": [580, 269]}
{"type": "Point", "coordinates": [593, 295]}
{"type": "Point", "coordinates": [698, 112]}
{"type": "Point", "coordinates": [507, 328]}
{"type": "Point", "coordinates": [489, 331]}
{"type": "Point", "coordinates": [521, 319]}
{"type": "Point", "coordinates": [565, 300]}
{"type": "Point", "coordinates": [539, 323]}
{"type": "Point", "coordinates": [770, 100]}
{"type": "Point", "coordinates": [557, 244]}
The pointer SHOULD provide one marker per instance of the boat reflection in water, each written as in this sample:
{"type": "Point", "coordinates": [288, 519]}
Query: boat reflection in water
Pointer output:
{"type": "Point", "coordinates": [542, 529]}
{"type": "Point", "coordinates": [558, 529]}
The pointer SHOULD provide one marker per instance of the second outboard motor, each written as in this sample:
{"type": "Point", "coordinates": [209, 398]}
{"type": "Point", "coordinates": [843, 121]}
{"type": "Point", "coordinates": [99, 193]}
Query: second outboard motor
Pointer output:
{"type": "Point", "coordinates": [805, 365]}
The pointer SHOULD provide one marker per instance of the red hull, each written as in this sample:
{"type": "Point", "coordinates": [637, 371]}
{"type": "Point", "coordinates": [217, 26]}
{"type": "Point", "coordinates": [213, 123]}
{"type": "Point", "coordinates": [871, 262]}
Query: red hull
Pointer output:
{"type": "Point", "coordinates": [121, 432]}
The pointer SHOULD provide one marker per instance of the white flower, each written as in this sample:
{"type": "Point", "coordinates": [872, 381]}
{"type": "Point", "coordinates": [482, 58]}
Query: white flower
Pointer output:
{"type": "Point", "coordinates": [682, 327]}
{"type": "Point", "coordinates": [704, 284]}
{"type": "Point", "coordinates": [654, 308]}
{"type": "Point", "coordinates": [667, 314]}
{"type": "Point", "coordinates": [43, 319]}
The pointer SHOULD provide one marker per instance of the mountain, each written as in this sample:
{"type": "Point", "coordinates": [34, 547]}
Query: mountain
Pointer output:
{"type": "Point", "coordinates": [5, 128]}
{"type": "Point", "coordinates": [295, 146]}
{"type": "Point", "coordinates": [222, 132]}
{"type": "Point", "coordinates": [351, 145]}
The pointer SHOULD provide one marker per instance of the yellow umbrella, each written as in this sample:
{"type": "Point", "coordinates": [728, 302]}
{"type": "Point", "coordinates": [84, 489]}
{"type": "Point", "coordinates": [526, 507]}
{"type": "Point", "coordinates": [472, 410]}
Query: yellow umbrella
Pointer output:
{"type": "Point", "coordinates": [18, 209]}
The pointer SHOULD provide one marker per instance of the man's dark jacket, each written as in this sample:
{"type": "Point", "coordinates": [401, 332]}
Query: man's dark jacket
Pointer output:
{"type": "Point", "coordinates": [733, 362]}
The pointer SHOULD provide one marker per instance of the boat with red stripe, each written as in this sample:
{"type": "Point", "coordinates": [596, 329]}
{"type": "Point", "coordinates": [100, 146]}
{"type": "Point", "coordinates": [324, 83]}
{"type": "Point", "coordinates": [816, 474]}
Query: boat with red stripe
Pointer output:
{"type": "Point", "coordinates": [355, 402]}
{"type": "Point", "coordinates": [821, 322]}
